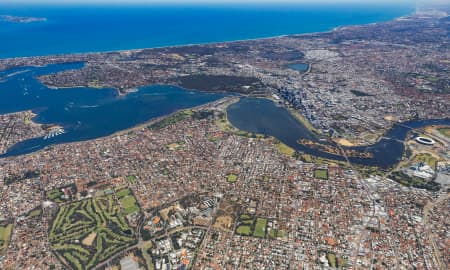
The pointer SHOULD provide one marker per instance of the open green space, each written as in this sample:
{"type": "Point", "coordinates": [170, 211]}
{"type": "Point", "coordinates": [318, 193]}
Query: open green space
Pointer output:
{"type": "Point", "coordinates": [303, 120]}
{"type": "Point", "coordinates": [413, 181]}
{"type": "Point", "coordinates": [173, 119]}
{"type": "Point", "coordinates": [244, 216]}
{"type": "Point", "coordinates": [249, 225]}
{"type": "Point", "coordinates": [5, 234]}
{"type": "Point", "coordinates": [35, 212]}
{"type": "Point", "coordinates": [232, 178]}
{"type": "Point", "coordinates": [305, 158]}
{"type": "Point", "coordinates": [321, 174]}
{"type": "Point", "coordinates": [247, 221]}
{"type": "Point", "coordinates": [212, 138]}
{"type": "Point", "coordinates": [284, 149]}
{"type": "Point", "coordinates": [331, 260]}
{"type": "Point", "coordinates": [274, 233]}
{"type": "Point", "coordinates": [445, 132]}
{"type": "Point", "coordinates": [123, 193]}
{"type": "Point", "coordinates": [101, 219]}
{"type": "Point", "coordinates": [432, 79]}
{"type": "Point", "coordinates": [131, 179]}
{"type": "Point", "coordinates": [318, 160]}
{"type": "Point", "coordinates": [129, 204]}
{"type": "Point", "coordinates": [426, 158]}
{"type": "Point", "coordinates": [260, 227]}
{"type": "Point", "coordinates": [243, 230]}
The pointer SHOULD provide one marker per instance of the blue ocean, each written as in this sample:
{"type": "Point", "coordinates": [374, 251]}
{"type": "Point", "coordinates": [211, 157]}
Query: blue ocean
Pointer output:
{"type": "Point", "coordinates": [95, 28]}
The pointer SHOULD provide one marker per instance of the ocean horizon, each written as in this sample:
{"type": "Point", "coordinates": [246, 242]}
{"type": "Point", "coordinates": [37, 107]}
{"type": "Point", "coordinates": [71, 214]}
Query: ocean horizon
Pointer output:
{"type": "Point", "coordinates": [99, 28]}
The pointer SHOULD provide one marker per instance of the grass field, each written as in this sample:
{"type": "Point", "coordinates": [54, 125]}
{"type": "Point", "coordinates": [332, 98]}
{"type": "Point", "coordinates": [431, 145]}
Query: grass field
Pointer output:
{"type": "Point", "coordinates": [5, 234]}
{"type": "Point", "coordinates": [123, 193]}
{"type": "Point", "coordinates": [445, 132]}
{"type": "Point", "coordinates": [243, 230]}
{"type": "Point", "coordinates": [129, 204]}
{"type": "Point", "coordinates": [331, 260]}
{"type": "Point", "coordinates": [247, 221]}
{"type": "Point", "coordinates": [304, 121]}
{"type": "Point", "coordinates": [127, 201]}
{"type": "Point", "coordinates": [321, 174]}
{"type": "Point", "coordinates": [100, 222]}
{"type": "Point", "coordinates": [306, 158]}
{"type": "Point", "coordinates": [212, 138]}
{"type": "Point", "coordinates": [35, 213]}
{"type": "Point", "coordinates": [260, 227]}
{"type": "Point", "coordinates": [232, 178]}
{"type": "Point", "coordinates": [131, 179]}
{"type": "Point", "coordinates": [284, 149]}
{"type": "Point", "coordinates": [276, 233]}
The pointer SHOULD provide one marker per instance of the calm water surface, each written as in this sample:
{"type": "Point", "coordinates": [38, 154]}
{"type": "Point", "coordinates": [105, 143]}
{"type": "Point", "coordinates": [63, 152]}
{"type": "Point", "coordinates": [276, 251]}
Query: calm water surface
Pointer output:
{"type": "Point", "coordinates": [72, 28]}
{"type": "Point", "coordinates": [302, 67]}
{"type": "Point", "coordinates": [265, 117]}
{"type": "Point", "coordinates": [86, 113]}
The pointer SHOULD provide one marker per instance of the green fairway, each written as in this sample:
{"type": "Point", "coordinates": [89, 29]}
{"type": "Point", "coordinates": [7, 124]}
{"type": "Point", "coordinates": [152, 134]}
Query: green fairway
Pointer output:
{"type": "Point", "coordinates": [55, 195]}
{"type": "Point", "coordinates": [100, 219]}
{"type": "Point", "coordinates": [260, 227]}
{"type": "Point", "coordinates": [321, 174]}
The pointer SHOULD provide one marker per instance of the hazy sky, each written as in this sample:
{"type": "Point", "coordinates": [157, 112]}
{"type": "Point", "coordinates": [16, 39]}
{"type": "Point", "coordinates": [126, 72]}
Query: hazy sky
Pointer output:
{"type": "Point", "coordinates": [209, 1]}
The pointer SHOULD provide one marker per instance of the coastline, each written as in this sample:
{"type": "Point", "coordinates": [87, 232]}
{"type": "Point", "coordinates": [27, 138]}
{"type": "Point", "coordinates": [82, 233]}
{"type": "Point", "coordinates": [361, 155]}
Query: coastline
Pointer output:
{"type": "Point", "coordinates": [337, 28]}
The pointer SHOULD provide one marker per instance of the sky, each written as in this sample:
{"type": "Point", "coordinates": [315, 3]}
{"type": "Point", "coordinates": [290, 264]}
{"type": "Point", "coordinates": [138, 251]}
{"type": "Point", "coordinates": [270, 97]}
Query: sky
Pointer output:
{"type": "Point", "coordinates": [205, 1]}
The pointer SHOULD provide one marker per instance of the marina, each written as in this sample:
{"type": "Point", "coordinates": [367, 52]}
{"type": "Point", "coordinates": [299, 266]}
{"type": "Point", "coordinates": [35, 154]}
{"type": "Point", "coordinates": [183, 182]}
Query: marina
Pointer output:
{"type": "Point", "coordinates": [54, 133]}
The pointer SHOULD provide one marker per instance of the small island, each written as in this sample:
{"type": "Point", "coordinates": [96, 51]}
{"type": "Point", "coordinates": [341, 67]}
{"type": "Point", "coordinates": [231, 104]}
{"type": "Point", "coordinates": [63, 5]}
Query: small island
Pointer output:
{"type": "Point", "coordinates": [17, 19]}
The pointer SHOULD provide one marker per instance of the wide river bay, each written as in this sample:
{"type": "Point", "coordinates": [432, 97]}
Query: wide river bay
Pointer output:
{"type": "Point", "coordinates": [86, 113]}
{"type": "Point", "coordinates": [262, 116]}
